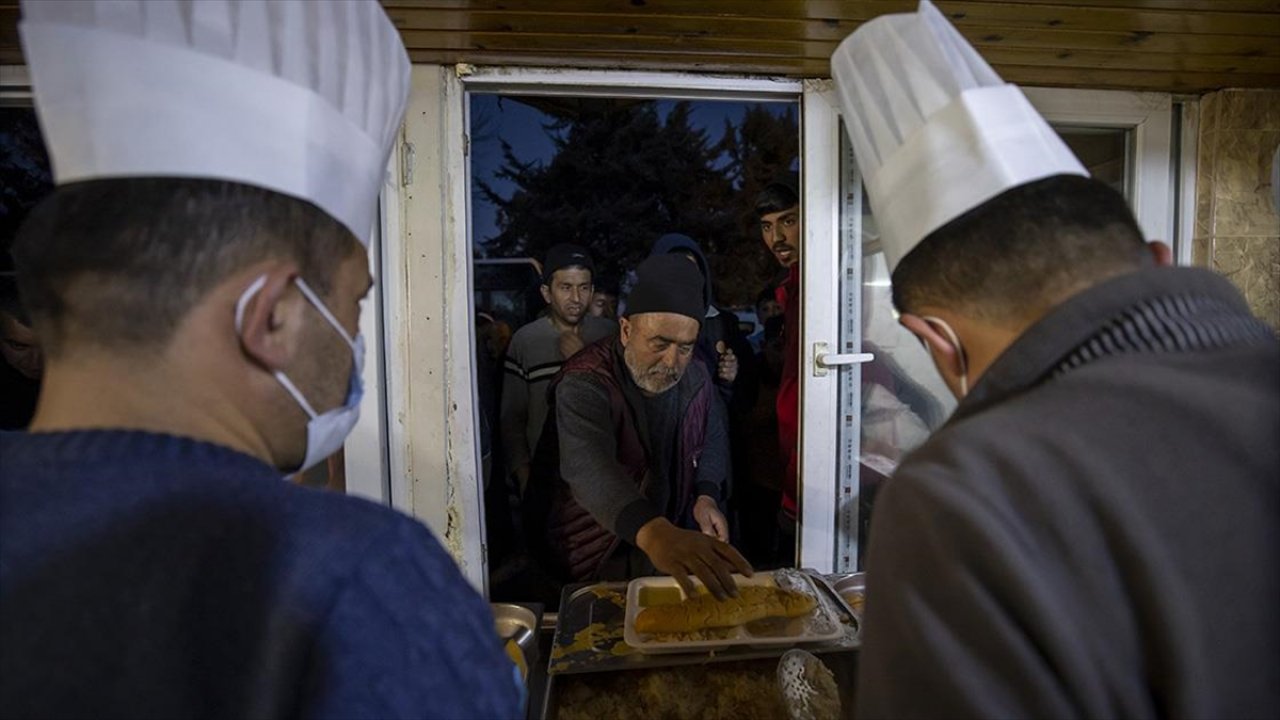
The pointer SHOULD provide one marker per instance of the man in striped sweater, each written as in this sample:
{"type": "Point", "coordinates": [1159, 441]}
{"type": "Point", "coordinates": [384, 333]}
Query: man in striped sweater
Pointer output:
{"type": "Point", "coordinates": [538, 349]}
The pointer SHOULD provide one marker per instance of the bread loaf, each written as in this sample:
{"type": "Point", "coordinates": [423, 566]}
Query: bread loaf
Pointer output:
{"type": "Point", "coordinates": [754, 602]}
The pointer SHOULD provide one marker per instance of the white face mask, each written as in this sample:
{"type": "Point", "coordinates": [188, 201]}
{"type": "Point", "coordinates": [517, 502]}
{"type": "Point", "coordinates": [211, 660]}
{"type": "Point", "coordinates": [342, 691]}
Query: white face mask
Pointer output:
{"type": "Point", "coordinates": [328, 430]}
{"type": "Point", "coordinates": [955, 340]}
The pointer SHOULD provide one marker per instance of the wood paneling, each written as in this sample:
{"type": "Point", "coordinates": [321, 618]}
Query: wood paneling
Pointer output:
{"type": "Point", "coordinates": [1169, 45]}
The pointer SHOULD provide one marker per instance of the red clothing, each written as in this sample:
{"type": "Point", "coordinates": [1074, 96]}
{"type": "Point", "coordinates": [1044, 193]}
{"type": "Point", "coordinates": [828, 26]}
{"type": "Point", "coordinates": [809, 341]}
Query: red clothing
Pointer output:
{"type": "Point", "coordinates": [788, 404]}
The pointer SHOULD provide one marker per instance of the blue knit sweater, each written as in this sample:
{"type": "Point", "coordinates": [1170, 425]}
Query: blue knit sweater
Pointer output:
{"type": "Point", "coordinates": [144, 575]}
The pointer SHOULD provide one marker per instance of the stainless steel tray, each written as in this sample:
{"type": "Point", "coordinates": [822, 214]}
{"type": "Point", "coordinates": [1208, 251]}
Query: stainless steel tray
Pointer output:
{"type": "Point", "coordinates": [820, 625]}
{"type": "Point", "coordinates": [589, 636]}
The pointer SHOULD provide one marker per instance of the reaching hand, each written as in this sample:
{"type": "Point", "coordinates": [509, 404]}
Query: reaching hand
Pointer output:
{"type": "Point", "coordinates": [680, 553]}
{"type": "Point", "coordinates": [570, 343]}
{"type": "Point", "coordinates": [709, 518]}
{"type": "Point", "coordinates": [727, 368]}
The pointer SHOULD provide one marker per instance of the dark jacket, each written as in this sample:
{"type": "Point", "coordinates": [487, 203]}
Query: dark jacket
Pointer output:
{"type": "Point", "coordinates": [1096, 530]}
{"type": "Point", "coordinates": [567, 537]}
{"type": "Point", "coordinates": [788, 403]}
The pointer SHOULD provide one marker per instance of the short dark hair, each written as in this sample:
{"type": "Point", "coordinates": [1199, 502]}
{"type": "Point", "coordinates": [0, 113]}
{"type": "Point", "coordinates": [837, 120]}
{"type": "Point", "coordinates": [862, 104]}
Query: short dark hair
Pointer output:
{"type": "Point", "coordinates": [776, 197]}
{"type": "Point", "coordinates": [1014, 254]}
{"type": "Point", "coordinates": [119, 262]}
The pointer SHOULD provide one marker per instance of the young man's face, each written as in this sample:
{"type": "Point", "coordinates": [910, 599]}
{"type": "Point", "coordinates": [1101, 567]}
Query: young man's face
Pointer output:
{"type": "Point", "coordinates": [20, 348]}
{"type": "Point", "coordinates": [781, 234]}
{"type": "Point", "coordinates": [767, 309]}
{"type": "Point", "coordinates": [604, 305]}
{"type": "Point", "coordinates": [568, 294]}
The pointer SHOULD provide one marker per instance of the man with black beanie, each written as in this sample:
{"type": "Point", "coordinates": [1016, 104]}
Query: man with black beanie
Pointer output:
{"type": "Point", "coordinates": [628, 476]}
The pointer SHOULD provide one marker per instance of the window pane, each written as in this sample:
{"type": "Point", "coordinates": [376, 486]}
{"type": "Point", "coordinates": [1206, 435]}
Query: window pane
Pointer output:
{"type": "Point", "coordinates": [25, 179]}
{"type": "Point", "coordinates": [889, 404]}
{"type": "Point", "coordinates": [614, 174]}
{"type": "Point", "coordinates": [1104, 152]}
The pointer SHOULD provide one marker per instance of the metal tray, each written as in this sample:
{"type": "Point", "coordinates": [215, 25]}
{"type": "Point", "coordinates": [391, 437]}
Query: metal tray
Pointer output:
{"type": "Point", "coordinates": [852, 588]}
{"type": "Point", "coordinates": [818, 626]}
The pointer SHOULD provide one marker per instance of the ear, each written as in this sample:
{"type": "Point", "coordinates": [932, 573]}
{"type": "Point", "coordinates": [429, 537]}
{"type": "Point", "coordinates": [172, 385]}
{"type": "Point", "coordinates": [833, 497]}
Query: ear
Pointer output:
{"type": "Point", "coordinates": [546, 294]}
{"type": "Point", "coordinates": [624, 330]}
{"type": "Point", "coordinates": [944, 353]}
{"type": "Point", "coordinates": [1161, 252]}
{"type": "Point", "coordinates": [271, 329]}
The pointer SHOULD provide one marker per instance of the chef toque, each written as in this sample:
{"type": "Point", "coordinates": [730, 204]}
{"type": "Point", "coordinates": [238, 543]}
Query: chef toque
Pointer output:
{"type": "Point", "coordinates": [303, 98]}
{"type": "Point", "coordinates": [935, 130]}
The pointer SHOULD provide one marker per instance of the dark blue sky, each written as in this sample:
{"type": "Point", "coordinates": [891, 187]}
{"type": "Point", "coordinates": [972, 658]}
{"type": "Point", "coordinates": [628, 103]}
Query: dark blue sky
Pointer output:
{"type": "Point", "coordinates": [494, 119]}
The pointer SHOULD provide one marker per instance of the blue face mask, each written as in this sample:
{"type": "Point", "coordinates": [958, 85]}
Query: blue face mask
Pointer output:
{"type": "Point", "coordinates": [328, 430]}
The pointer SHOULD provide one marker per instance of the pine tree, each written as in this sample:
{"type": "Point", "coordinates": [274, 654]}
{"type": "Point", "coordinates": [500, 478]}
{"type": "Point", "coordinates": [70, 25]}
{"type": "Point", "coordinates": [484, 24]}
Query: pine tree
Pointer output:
{"type": "Point", "coordinates": [622, 176]}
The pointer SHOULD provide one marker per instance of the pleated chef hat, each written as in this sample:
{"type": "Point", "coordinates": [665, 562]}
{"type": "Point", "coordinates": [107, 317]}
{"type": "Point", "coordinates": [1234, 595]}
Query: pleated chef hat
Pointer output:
{"type": "Point", "coordinates": [303, 98]}
{"type": "Point", "coordinates": [935, 130]}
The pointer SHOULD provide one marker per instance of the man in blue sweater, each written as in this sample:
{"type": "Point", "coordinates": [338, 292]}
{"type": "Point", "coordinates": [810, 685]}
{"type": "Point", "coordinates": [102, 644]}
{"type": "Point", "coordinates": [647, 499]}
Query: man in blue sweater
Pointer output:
{"type": "Point", "coordinates": [195, 281]}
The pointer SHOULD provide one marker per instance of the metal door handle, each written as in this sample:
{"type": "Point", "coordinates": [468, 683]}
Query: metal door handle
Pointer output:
{"type": "Point", "coordinates": [823, 361]}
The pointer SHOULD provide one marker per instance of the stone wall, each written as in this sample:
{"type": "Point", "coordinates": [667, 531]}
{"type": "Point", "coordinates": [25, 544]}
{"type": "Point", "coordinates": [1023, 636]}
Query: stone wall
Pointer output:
{"type": "Point", "coordinates": [1237, 228]}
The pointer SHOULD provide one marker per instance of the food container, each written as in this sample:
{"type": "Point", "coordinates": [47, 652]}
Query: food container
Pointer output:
{"type": "Point", "coordinates": [518, 627]}
{"type": "Point", "coordinates": [818, 626]}
{"type": "Point", "coordinates": [852, 589]}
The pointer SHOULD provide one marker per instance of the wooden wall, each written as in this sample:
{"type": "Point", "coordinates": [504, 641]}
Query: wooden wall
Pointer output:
{"type": "Point", "coordinates": [1168, 45]}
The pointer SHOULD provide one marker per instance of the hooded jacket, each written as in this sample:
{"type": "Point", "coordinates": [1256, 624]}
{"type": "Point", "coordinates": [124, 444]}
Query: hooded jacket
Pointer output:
{"type": "Point", "coordinates": [718, 326]}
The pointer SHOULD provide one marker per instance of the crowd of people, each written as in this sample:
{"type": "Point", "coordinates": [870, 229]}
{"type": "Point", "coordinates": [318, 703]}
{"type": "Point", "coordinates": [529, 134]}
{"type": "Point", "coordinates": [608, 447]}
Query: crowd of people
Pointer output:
{"type": "Point", "coordinates": [611, 431]}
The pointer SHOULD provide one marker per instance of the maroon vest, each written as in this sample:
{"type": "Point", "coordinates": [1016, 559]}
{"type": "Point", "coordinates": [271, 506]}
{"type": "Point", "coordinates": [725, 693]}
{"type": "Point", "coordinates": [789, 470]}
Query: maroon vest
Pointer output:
{"type": "Point", "coordinates": [576, 543]}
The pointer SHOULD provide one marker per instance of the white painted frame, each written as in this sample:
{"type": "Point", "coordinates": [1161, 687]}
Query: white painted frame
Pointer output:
{"type": "Point", "coordinates": [1150, 117]}
{"type": "Point", "coordinates": [431, 423]}
{"type": "Point", "coordinates": [465, 79]}
{"type": "Point", "coordinates": [365, 452]}
{"type": "Point", "coordinates": [1188, 157]}
{"type": "Point", "coordinates": [819, 323]}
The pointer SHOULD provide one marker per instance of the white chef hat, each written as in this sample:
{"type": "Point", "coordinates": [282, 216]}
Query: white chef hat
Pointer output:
{"type": "Point", "coordinates": [303, 98]}
{"type": "Point", "coordinates": [935, 130]}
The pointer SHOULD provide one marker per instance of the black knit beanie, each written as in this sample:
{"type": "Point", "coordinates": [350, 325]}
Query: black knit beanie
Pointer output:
{"type": "Point", "coordinates": [670, 284]}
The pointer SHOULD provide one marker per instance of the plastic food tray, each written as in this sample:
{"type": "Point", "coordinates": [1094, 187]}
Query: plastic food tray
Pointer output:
{"type": "Point", "coordinates": [818, 626]}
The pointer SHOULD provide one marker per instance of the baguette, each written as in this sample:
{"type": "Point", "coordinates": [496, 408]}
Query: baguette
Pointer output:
{"type": "Point", "coordinates": [754, 602]}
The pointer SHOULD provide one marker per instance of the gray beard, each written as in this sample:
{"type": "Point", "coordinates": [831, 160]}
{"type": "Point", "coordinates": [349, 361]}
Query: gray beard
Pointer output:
{"type": "Point", "coordinates": [654, 381]}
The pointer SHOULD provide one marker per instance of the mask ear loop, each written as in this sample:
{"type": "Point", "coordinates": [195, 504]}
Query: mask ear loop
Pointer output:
{"type": "Point", "coordinates": [315, 300]}
{"type": "Point", "coordinates": [955, 340]}
{"type": "Point", "coordinates": [254, 288]}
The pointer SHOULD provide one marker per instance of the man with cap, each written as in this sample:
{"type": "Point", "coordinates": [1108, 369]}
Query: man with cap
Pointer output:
{"type": "Point", "coordinates": [195, 282]}
{"type": "Point", "coordinates": [629, 474]}
{"type": "Point", "coordinates": [1095, 532]}
{"type": "Point", "coordinates": [538, 349]}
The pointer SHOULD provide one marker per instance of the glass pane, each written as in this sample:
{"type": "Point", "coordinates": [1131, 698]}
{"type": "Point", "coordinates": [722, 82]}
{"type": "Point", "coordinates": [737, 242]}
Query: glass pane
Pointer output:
{"type": "Point", "coordinates": [1103, 151]}
{"type": "Point", "coordinates": [25, 179]}
{"type": "Point", "coordinates": [614, 174]}
{"type": "Point", "coordinates": [889, 404]}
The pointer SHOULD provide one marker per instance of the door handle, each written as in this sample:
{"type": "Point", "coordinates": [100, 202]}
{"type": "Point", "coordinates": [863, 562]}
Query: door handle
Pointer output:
{"type": "Point", "coordinates": [823, 361]}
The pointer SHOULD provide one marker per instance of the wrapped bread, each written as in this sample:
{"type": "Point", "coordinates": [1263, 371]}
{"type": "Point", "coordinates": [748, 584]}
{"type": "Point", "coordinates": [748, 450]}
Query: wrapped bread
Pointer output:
{"type": "Point", "coordinates": [754, 602]}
